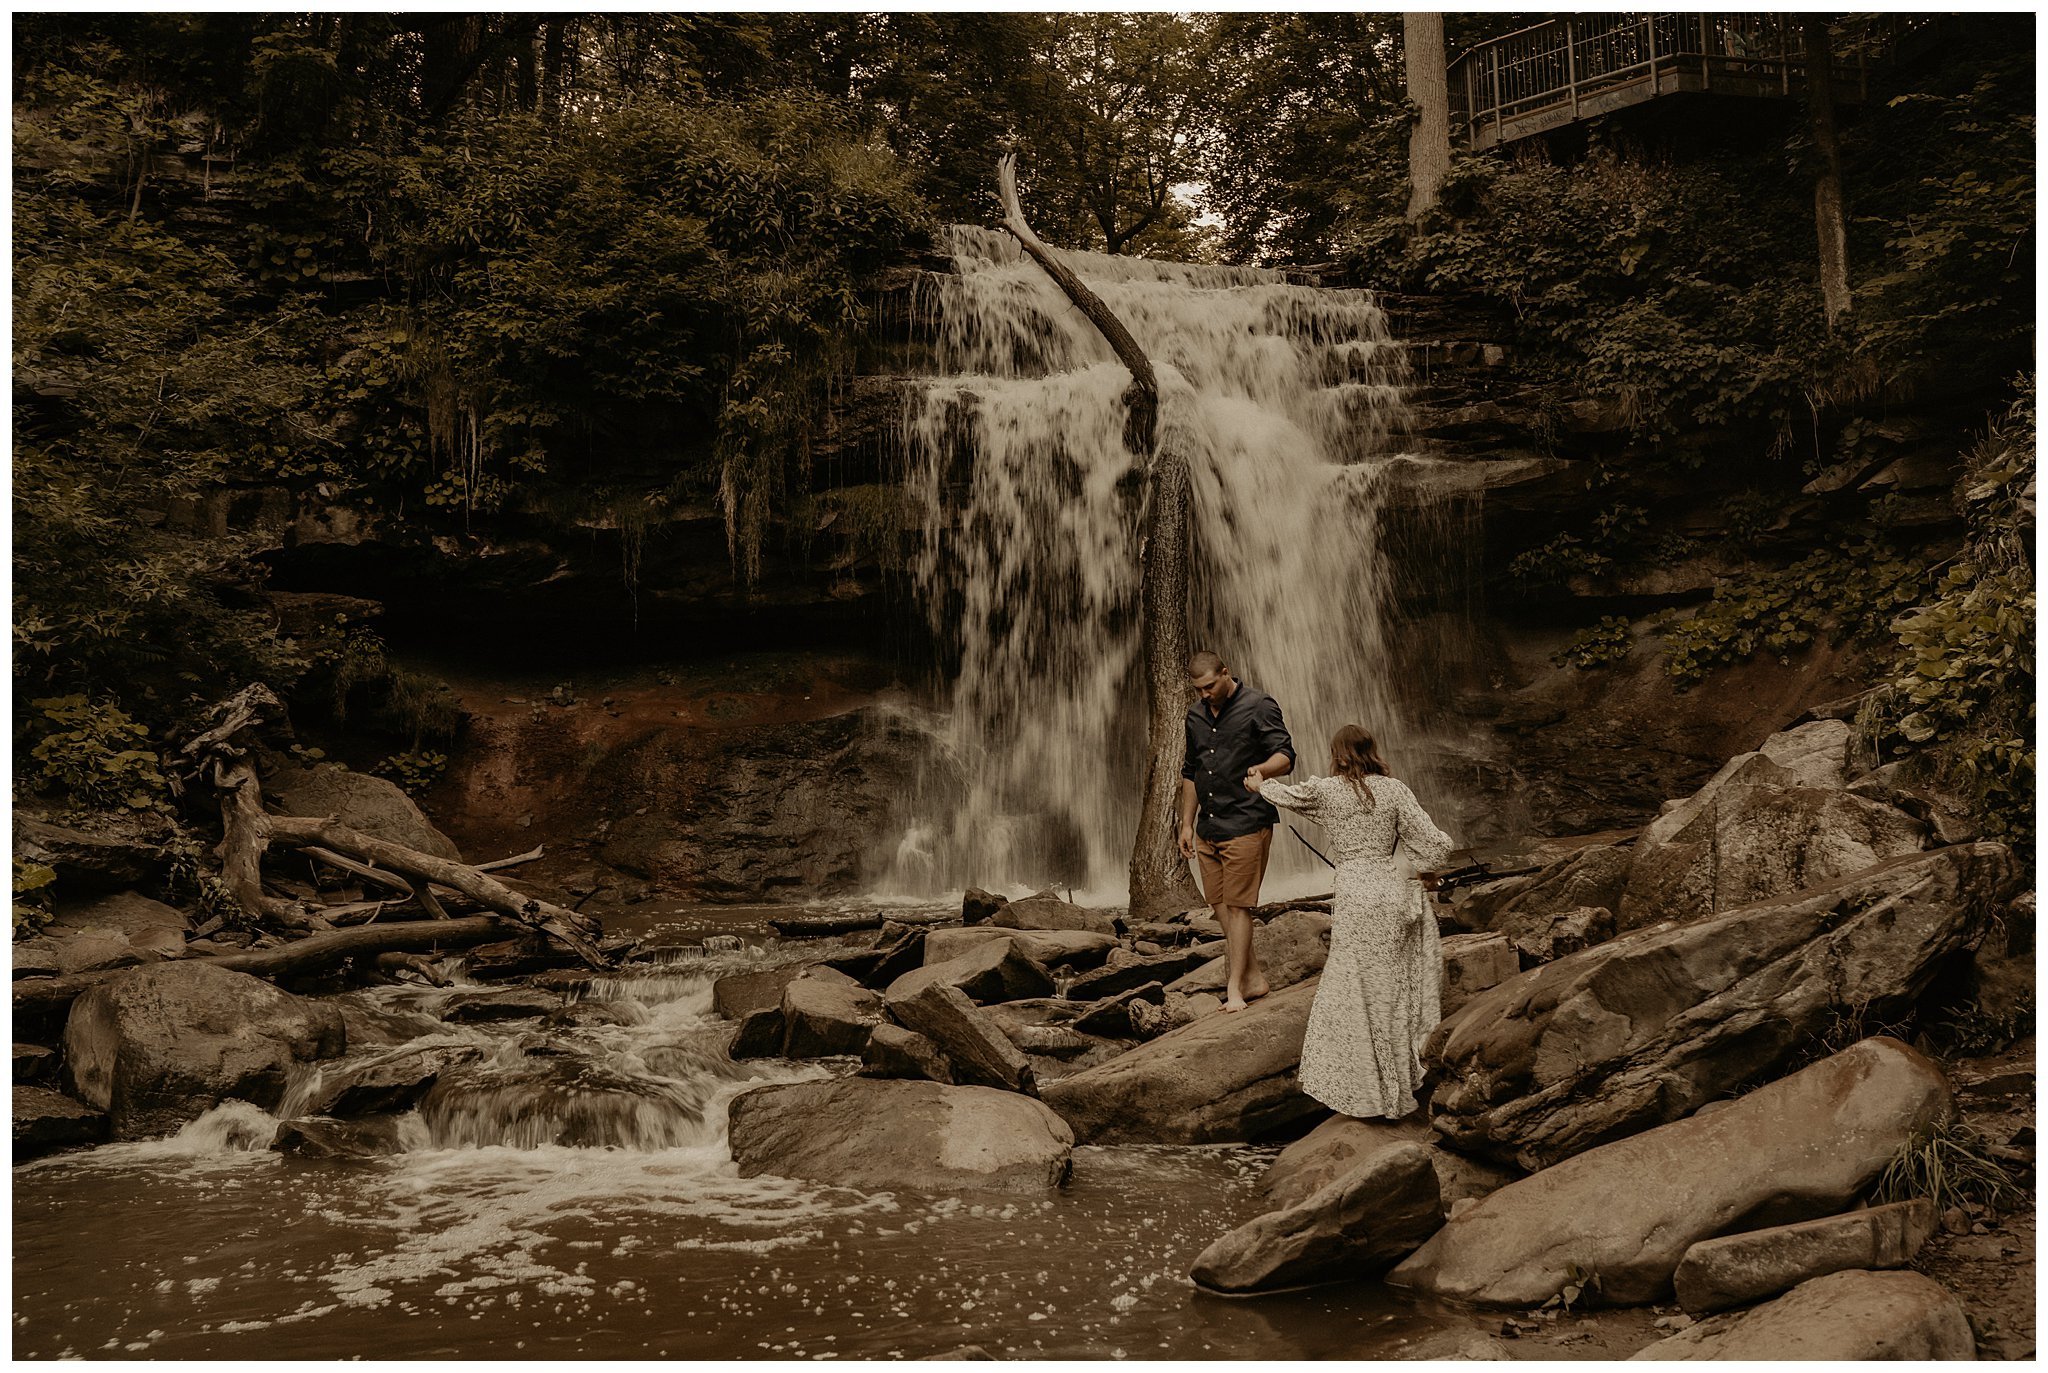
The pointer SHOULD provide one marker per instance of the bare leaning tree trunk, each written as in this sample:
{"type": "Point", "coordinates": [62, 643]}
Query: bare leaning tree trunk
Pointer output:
{"type": "Point", "coordinates": [1429, 142]}
{"type": "Point", "coordinates": [1159, 878]}
{"type": "Point", "coordinates": [1827, 172]}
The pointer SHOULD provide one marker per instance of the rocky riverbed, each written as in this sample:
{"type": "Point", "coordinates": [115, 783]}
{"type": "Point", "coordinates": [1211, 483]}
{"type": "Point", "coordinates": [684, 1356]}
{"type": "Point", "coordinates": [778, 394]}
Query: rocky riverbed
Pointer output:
{"type": "Point", "coordinates": [1686, 1102]}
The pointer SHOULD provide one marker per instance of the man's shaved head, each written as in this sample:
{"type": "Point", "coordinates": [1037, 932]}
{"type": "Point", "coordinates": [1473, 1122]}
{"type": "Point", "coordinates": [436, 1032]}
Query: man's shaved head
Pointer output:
{"type": "Point", "coordinates": [1203, 663]}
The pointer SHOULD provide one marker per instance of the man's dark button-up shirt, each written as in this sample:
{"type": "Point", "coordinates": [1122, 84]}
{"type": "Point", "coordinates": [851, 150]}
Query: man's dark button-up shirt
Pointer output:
{"type": "Point", "coordinates": [1222, 748]}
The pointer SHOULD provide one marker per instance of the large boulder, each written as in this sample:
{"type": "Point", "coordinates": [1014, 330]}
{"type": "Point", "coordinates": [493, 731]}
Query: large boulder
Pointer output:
{"type": "Point", "coordinates": [1358, 1226]}
{"type": "Point", "coordinates": [826, 1012]}
{"type": "Point", "coordinates": [1342, 1144]}
{"type": "Point", "coordinates": [103, 852]}
{"type": "Point", "coordinates": [1291, 946]}
{"type": "Point", "coordinates": [393, 1081]}
{"type": "Point", "coordinates": [1649, 1026]}
{"type": "Point", "coordinates": [159, 1045]}
{"type": "Point", "coordinates": [1768, 823]}
{"type": "Point", "coordinates": [1473, 963]}
{"type": "Point", "coordinates": [896, 1052]}
{"type": "Point", "coordinates": [360, 801]}
{"type": "Point", "coordinates": [1047, 912]}
{"type": "Point", "coordinates": [1852, 1315]}
{"type": "Point", "coordinates": [1518, 907]}
{"type": "Point", "coordinates": [973, 1043]}
{"type": "Point", "coordinates": [1735, 1270]}
{"type": "Point", "coordinates": [117, 930]}
{"type": "Point", "coordinates": [1049, 948]}
{"type": "Point", "coordinates": [995, 970]}
{"type": "Point", "coordinates": [738, 995]}
{"type": "Point", "coordinates": [879, 1134]}
{"type": "Point", "coordinates": [1218, 1079]}
{"type": "Point", "coordinates": [1801, 1147]}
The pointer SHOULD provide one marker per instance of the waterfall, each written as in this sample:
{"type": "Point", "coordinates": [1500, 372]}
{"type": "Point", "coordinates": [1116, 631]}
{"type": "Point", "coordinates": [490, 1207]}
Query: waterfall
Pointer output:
{"type": "Point", "coordinates": [1287, 400]}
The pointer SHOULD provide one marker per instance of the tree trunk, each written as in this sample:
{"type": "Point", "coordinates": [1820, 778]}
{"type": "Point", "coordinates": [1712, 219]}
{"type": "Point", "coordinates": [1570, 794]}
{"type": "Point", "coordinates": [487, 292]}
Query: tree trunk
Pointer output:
{"type": "Point", "coordinates": [1429, 87]}
{"type": "Point", "coordinates": [1828, 215]}
{"type": "Point", "coordinates": [1159, 879]}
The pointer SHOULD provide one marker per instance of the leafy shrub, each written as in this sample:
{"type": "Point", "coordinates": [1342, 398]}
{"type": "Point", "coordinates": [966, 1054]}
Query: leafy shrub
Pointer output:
{"type": "Point", "coordinates": [33, 889]}
{"type": "Point", "coordinates": [414, 771]}
{"type": "Point", "coordinates": [93, 753]}
{"type": "Point", "coordinates": [1606, 642]}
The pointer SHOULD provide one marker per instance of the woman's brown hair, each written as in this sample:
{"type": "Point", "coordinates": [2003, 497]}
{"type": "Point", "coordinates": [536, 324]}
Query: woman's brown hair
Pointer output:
{"type": "Point", "coordinates": [1355, 756]}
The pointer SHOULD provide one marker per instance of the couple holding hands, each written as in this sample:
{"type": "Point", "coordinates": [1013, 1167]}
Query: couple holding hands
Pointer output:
{"type": "Point", "coordinates": [1379, 997]}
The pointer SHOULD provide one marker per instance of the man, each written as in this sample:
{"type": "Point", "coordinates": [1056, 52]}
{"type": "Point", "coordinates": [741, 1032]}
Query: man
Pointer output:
{"type": "Point", "coordinates": [1234, 733]}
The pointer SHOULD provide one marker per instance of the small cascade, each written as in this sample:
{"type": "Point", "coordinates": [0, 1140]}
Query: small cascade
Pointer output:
{"type": "Point", "coordinates": [1287, 400]}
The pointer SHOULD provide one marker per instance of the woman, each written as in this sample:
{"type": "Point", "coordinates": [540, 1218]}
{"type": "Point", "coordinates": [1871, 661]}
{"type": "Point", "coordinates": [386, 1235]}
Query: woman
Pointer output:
{"type": "Point", "coordinates": [1381, 989]}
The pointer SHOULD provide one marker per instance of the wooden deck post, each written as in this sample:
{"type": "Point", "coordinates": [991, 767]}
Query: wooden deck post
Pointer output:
{"type": "Point", "coordinates": [1650, 24]}
{"type": "Point", "coordinates": [1571, 63]}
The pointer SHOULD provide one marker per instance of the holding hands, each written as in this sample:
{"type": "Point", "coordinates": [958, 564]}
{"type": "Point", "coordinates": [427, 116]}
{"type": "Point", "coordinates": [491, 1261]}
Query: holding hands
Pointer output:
{"type": "Point", "coordinates": [1253, 780]}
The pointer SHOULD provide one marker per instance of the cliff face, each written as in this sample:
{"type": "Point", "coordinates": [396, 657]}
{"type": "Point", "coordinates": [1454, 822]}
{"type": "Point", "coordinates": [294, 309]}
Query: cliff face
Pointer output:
{"type": "Point", "coordinates": [1503, 467]}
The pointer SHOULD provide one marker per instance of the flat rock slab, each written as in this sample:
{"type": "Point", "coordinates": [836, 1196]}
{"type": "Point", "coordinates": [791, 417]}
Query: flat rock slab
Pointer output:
{"type": "Point", "coordinates": [1048, 948]}
{"type": "Point", "coordinates": [1473, 963]}
{"type": "Point", "coordinates": [160, 1045]}
{"type": "Point", "coordinates": [825, 1012]}
{"type": "Point", "coordinates": [1801, 1147]}
{"type": "Point", "coordinates": [1358, 1226]}
{"type": "Point", "coordinates": [1113, 1016]}
{"type": "Point", "coordinates": [738, 995]}
{"type": "Point", "coordinates": [884, 1135]}
{"type": "Point", "coordinates": [1651, 1025]}
{"type": "Point", "coordinates": [46, 1121]}
{"type": "Point", "coordinates": [1341, 1145]}
{"type": "Point", "coordinates": [1735, 1270]}
{"type": "Point", "coordinates": [896, 1052]}
{"type": "Point", "coordinates": [995, 970]}
{"type": "Point", "coordinates": [1291, 946]}
{"type": "Point", "coordinates": [501, 1003]}
{"type": "Point", "coordinates": [1852, 1315]}
{"type": "Point", "coordinates": [1221, 1078]}
{"type": "Point", "coordinates": [971, 1041]}
{"type": "Point", "coordinates": [1047, 912]}
{"type": "Point", "coordinates": [119, 930]}
{"type": "Point", "coordinates": [34, 1063]}
{"type": "Point", "coordinates": [389, 1082]}
{"type": "Point", "coordinates": [1136, 972]}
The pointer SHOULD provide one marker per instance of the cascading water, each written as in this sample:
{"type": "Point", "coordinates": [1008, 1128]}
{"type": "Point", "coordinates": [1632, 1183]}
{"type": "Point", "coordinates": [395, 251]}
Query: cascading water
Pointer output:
{"type": "Point", "coordinates": [1288, 402]}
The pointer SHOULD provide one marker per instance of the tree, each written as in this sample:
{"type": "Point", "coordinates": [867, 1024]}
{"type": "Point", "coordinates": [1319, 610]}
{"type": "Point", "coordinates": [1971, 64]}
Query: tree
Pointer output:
{"type": "Point", "coordinates": [1429, 144]}
{"type": "Point", "coordinates": [1827, 171]}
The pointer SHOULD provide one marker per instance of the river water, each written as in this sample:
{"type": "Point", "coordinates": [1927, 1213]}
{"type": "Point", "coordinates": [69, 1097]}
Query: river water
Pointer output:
{"type": "Point", "coordinates": [476, 1241]}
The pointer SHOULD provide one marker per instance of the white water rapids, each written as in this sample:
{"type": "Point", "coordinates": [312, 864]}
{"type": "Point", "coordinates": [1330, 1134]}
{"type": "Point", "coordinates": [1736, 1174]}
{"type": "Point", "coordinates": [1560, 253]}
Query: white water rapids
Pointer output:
{"type": "Point", "coordinates": [1287, 400]}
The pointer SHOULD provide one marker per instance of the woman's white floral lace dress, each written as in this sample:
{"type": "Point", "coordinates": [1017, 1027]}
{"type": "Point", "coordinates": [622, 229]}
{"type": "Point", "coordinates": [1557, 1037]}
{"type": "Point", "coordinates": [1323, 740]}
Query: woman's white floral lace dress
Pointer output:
{"type": "Point", "coordinates": [1381, 991]}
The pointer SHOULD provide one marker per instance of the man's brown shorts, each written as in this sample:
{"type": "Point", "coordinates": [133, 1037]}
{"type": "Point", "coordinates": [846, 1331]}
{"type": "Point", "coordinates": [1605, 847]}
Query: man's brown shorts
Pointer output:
{"type": "Point", "coordinates": [1233, 868]}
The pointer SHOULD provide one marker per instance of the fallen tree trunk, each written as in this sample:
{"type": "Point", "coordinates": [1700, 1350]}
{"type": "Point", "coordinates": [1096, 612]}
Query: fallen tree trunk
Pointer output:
{"type": "Point", "coordinates": [42, 995]}
{"type": "Point", "coordinates": [1159, 877]}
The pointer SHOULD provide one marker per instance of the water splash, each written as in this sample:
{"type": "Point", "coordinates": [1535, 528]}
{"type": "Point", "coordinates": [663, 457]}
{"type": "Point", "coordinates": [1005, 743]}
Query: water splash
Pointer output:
{"type": "Point", "coordinates": [1287, 400]}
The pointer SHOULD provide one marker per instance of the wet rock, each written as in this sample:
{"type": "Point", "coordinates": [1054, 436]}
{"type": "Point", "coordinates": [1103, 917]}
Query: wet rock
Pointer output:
{"type": "Point", "coordinates": [1048, 948]}
{"type": "Point", "coordinates": [1113, 1016]}
{"type": "Point", "coordinates": [105, 852]}
{"type": "Point", "coordinates": [1652, 1024]}
{"type": "Point", "coordinates": [1594, 876]}
{"type": "Point", "coordinates": [123, 929]}
{"type": "Point", "coordinates": [973, 1352]}
{"type": "Point", "coordinates": [1548, 938]}
{"type": "Point", "coordinates": [34, 1063]}
{"type": "Point", "coordinates": [900, 949]}
{"type": "Point", "coordinates": [1341, 1144]}
{"type": "Point", "coordinates": [1052, 1041]}
{"type": "Point", "coordinates": [499, 1003]}
{"type": "Point", "coordinates": [827, 1012]}
{"type": "Point", "coordinates": [1136, 972]}
{"type": "Point", "coordinates": [1459, 1345]}
{"type": "Point", "coordinates": [585, 1013]}
{"type": "Point", "coordinates": [157, 1046]}
{"type": "Point", "coordinates": [1218, 1079]}
{"type": "Point", "coordinates": [360, 801]}
{"type": "Point", "coordinates": [760, 1035]}
{"type": "Point", "coordinates": [563, 981]}
{"type": "Point", "coordinates": [883, 1135]}
{"type": "Point", "coordinates": [896, 1052]}
{"type": "Point", "coordinates": [1034, 1010]}
{"type": "Point", "coordinates": [370, 1026]}
{"type": "Point", "coordinates": [1358, 1226]}
{"type": "Point", "coordinates": [1802, 1147]}
{"type": "Point", "coordinates": [976, 1047]}
{"type": "Point", "coordinates": [1291, 946]}
{"type": "Point", "coordinates": [1047, 912]}
{"type": "Point", "coordinates": [997, 970]}
{"type": "Point", "coordinates": [1735, 1270]}
{"type": "Point", "coordinates": [46, 1121]}
{"type": "Point", "coordinates": [389, 1082]}
{"type": "Point", "coordinates": [559, 1097]}
{"type": "Point", "coordinates": [1767, 824]}
{"type": "Point", "coordinates": [519, 957]}
{"type": "Point", "coordinates": [978, 905]}
{"type": "Point", "coordinates": [738, 995]}
{"type": "Point", "coordinates": [315, 1137]}
{"type": "Point", "coordinates": [1472, 964]}
{"type": "Point", "coordinates": [1851, 1315]}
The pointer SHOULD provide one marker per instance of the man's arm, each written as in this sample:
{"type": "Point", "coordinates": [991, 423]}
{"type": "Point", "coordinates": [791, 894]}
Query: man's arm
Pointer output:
{"type": "Point", "coordinates": [1272, 736]}
{"type": "Point", "coordinates": [1279, 765]}
{"type": "Point", "coordinates": [1186, 835]}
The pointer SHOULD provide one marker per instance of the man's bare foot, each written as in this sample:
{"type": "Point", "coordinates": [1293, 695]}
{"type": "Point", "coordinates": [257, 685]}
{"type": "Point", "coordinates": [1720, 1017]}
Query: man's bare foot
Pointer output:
{"type": "Point", "coordinates": [1263, 989]}
{"type": "Point", "coordinates": [1234, 1003]}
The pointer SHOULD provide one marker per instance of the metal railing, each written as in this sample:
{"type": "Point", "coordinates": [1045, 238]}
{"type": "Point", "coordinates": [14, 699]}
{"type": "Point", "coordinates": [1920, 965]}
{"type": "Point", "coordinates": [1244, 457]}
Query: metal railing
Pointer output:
{"type": "Point", "coordinates": [1562, 70]}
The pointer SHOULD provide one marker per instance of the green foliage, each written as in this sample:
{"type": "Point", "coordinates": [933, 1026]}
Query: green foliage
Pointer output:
{"type": "Point", "coordinates": [1603, 643]}
{"type": "Point", "coordinates": [92, 753]}
{"type": "Point", "coordinates": [1948, 1165]}
{"type": "Point", "coordinates": [1970, 1029]}
{"type": "Point", "coordinates": [1961, 689]}
{"type": "Point", "coordinates": [34, 886]}
{"type": "Point", "coordinates": [415, 770]}
{"type": "Point", "coordinates": [1849, 592]}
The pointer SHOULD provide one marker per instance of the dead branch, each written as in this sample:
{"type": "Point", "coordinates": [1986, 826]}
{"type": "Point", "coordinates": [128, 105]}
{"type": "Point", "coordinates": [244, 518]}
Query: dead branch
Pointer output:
{"type": "Point", "coordinates": [363, 870]}
{"type": "Point", "coordinates": [314, 953]}
{"type": "Point", "coordinates": [514, 861]}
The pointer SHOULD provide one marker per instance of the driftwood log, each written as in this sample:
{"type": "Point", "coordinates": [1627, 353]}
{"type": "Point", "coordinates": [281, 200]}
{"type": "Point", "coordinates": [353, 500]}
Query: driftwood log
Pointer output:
{"type": "Point", "coordinates": [314, 953]}
{"type": "Point", "coordinates": [1159, 876]}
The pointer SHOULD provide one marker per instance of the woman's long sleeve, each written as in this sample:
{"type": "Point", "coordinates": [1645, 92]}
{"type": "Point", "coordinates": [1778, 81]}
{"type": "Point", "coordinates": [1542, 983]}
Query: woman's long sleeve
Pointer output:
{"type": "Point", "coordinates": [1303, 798]}
{"type": "Point", "coordinates": [1428, 846]}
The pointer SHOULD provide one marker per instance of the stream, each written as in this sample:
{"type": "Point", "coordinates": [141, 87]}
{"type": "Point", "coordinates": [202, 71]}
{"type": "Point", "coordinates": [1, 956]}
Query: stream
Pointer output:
{"type": "Point", "coordinates": [475, 1242]}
